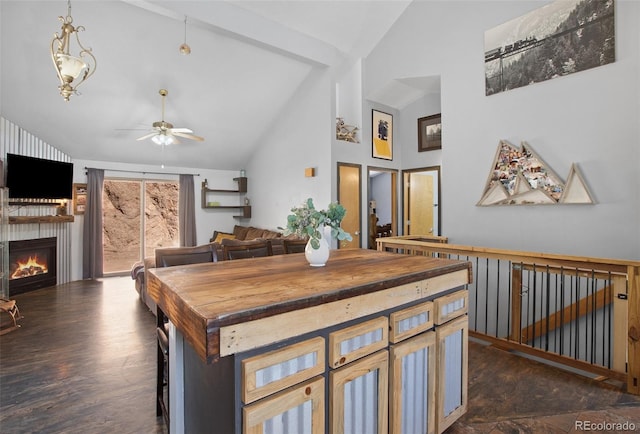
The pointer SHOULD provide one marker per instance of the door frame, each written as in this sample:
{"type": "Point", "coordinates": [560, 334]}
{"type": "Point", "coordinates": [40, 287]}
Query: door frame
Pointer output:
{"type": "Point", "coordinates": [394, 197]}
{"type": "Point", "coordinates": [438, 203]}
{"type": "Point", "coordinates": [359, 167]}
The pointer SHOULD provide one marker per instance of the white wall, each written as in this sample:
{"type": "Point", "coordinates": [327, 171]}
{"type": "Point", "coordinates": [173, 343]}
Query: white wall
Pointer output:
{"type": "Point", "coordinates": [590, 118]}
{"type": "Point", "coordinates": [300, 138]}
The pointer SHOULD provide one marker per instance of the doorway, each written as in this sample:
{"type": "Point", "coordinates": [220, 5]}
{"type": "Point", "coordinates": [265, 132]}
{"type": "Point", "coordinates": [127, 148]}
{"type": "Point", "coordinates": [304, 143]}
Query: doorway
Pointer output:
{"type": "Point", "coordinates": [383, 203]}
{"type": "Point", "coordinates": [350, 197]}
{"type": "Point", "coordinates": [138, 217]}
{"type": "Point", "coordinates": [421, 201]}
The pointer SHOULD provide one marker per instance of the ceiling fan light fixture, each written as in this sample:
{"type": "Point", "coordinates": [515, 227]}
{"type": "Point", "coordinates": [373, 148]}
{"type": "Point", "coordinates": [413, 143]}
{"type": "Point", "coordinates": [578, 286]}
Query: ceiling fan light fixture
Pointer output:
{"type": "Point", "coordinates": [70, 67]}
{"type": "Point", "coordinates": [185, 49]}
{"type": "Point", "coordinates": [162, 139]}
{"type": "Point", "coordinates": [164, 134]}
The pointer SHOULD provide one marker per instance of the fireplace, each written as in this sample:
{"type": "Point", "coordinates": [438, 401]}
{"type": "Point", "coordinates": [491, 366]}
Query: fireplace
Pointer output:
{"type": "Point", "coordinates": [32, 264]}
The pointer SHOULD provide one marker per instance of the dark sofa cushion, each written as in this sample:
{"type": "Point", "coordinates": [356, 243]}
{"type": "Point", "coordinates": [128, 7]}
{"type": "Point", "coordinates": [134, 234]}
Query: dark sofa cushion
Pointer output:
{"type": "Point", "coordinates": [171, 256]}
{"type": "Point", "coordinates": [240, 231]}
{"type": "Point", "coordinates": [184, 259]}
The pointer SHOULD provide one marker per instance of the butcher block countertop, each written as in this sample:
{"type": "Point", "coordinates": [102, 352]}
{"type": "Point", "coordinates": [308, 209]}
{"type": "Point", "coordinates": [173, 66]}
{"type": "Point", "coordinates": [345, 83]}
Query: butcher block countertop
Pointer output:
{"type": "Point", "coordinates": [226, 307]}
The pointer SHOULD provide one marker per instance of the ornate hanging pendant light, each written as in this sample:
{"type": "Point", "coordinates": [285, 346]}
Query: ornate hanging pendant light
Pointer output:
{"type": "Point", "coordinates": [70, 67]}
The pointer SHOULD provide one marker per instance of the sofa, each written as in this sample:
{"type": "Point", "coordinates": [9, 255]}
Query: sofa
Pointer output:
{"type": "Point", "coordinates": [211, 252]}
{"type": "Point", "coordinates": [244, 233]}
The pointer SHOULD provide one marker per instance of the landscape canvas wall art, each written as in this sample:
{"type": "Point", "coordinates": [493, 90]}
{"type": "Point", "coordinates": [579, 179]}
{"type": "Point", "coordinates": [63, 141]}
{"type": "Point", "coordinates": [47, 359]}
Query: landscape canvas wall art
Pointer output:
{"type": "Point", "coordinates": [561, 38]}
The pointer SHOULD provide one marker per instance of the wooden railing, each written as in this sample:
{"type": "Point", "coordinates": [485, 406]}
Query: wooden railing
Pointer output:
{"type": "Point", "coordinates": [582, 312]}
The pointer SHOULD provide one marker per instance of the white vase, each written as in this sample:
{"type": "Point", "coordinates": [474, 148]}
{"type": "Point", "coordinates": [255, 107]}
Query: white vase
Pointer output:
{"type": "Point", "coordinates": [317, 257]}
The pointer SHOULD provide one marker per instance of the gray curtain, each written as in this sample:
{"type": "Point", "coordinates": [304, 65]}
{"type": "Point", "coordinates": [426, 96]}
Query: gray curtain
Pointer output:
{"type": "Point", "coordinates": [187, 212]}
{"type": "Point", "coordinates": [92, 229]}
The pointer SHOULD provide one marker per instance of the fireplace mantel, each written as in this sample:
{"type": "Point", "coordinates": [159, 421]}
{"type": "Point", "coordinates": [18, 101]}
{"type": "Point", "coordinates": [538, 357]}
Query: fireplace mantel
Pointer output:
{"type": "Point", "coordinates": [22, 220]}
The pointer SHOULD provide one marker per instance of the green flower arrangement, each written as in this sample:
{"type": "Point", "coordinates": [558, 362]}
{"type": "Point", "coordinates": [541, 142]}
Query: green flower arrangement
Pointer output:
{"type": "Point", "coordinates": [306, 221]}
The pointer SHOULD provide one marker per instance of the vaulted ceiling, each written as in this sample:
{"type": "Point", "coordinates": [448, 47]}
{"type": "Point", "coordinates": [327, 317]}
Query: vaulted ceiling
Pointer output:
{"type": "Point", "coordinates": [247, 60]}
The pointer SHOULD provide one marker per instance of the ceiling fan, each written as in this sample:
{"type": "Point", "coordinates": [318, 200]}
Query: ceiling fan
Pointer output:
{"type": "Point", "coordinates": [163, 132]}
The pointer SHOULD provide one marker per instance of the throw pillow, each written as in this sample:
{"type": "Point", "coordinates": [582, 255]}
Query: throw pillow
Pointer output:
{"type": "Point", "coordinates": [219, 236]}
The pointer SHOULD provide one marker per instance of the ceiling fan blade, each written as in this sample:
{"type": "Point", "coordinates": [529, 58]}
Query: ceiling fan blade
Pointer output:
{"type": "Point", "coordinates": [181, 130]}
{"type": "Point", "coordinates": [188, 136]}
{"type": "Point", "coordinates": [146, 136]}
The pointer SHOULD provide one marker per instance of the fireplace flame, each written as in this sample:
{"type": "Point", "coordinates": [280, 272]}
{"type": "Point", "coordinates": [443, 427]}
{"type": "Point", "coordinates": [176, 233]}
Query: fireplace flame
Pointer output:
{"type": "Point", "coordinates": [29, 268]}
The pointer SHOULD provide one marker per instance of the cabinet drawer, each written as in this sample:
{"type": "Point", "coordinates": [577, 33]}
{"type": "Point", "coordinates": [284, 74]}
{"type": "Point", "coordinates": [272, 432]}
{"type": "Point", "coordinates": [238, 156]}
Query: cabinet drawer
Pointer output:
{"type": "Point", "coordinates": [268, 373]}
{"type": "Point", "coordinates": [411, 321]}
{"type": "Point", "coordinates": [357, 341]}
{"type": "Point", "coordinates": [299, 409]}
{"type": "Point", "coordinates": [451, 306]}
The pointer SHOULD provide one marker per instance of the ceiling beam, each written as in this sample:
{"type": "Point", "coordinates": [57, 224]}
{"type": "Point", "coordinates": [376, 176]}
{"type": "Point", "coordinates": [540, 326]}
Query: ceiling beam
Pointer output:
{"type": "Point", "coordinates": [232, 21]}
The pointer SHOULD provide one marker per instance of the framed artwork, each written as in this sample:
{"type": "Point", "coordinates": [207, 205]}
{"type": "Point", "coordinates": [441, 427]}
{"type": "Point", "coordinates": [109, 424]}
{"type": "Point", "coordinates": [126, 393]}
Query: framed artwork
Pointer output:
{"type": "Point", "coordinates": [79, 198]}
{"type": "Point", "coordinates": [551, 37]}
{"type": "Point", "coordinates": [381, 135]}
{"type": "Point", "coordinates": [430, 133]}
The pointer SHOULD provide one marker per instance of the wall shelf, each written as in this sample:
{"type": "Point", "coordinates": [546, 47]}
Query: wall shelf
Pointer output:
{"type": "Point", "coordinates": [242, 188]}
{"type": "Point", "coordinates": [23, 220]}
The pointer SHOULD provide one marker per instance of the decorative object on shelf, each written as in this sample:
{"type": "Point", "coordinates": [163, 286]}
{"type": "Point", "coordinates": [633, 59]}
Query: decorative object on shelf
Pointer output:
{"type": "Point", "coordinates": [185, 48]}
{"type": "Point", "coordinates": [62, 208]}
{"type": "Point", "coordinates": [345, 132]}
{"type": "Point", "coordinates": [79, 198]}
{"type": "Point", "coordinates": [430, 133]}
{"type": "Point", "coordinates": [381, 135]}
{"type": "Point", "coordinates": [520, 177]}
{"type": "Point", "coordinates": [553, 37]}
{"type": "Point", "coordinates": [69, 67]}
{"type": "Point", "coordinates": [308, 222]}
{"type": "Point", "coordinates": [163, 132]}
{"type": "Point", "coordinates": [243, 173]}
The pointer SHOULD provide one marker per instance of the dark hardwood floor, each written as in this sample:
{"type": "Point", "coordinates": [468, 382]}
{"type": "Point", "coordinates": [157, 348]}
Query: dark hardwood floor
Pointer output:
{"type": "Point", "coordinates": [84, 362]}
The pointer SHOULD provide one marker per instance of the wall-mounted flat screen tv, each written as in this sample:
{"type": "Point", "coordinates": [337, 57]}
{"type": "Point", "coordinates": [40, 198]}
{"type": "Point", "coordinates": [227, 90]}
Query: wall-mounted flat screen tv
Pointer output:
{"type": "Point", "coordinates": [37, 178]}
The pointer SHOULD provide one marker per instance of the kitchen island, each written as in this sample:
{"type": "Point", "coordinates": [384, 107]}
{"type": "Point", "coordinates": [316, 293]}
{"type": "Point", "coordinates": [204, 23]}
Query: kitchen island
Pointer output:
{"type": "Point", "coordinates": [266, 344]}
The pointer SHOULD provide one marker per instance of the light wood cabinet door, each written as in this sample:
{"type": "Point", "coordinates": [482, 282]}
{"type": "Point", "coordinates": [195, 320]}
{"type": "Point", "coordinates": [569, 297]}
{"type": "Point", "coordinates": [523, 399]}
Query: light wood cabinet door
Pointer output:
{"type": "Point", "coordinates": [412, 385]}
{"type": "Point", "coordinates": [452, 374]}
{"type": "Point", "coordinates": [354, 342]}
{"type": "Point", "coordinates": [451, 306]}
{"type": "Point", "coordinates": [297, 410]}
{"type": "Point", "coordinates": [359, 396]}
{"type": "Point", "coordinates": [276, 370]}
{"type": "Point", "coordinates": [411, 321]}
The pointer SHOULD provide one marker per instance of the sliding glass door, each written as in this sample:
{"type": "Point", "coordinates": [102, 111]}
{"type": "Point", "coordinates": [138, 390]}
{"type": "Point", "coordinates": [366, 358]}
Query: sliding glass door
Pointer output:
{"type": "Point", "coordinates": [138, 217]}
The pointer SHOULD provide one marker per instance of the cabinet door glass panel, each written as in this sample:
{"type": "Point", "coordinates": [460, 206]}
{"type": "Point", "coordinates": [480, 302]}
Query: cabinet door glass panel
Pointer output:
{"type": "Point", "coordinates": [412, 407]}
{"type": "Point", "coordinates": [360, 404]}
{"type": "Point", "coordinates": [295, 420]}
{"type": "Point", "coordinates": [296, 410]}
{"type": "Point", "coordinates": [359, 396]}
{"type": "Point", "coordinates": [414, 396]}
{"type": "Point", "coordinates": [453, 372]}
